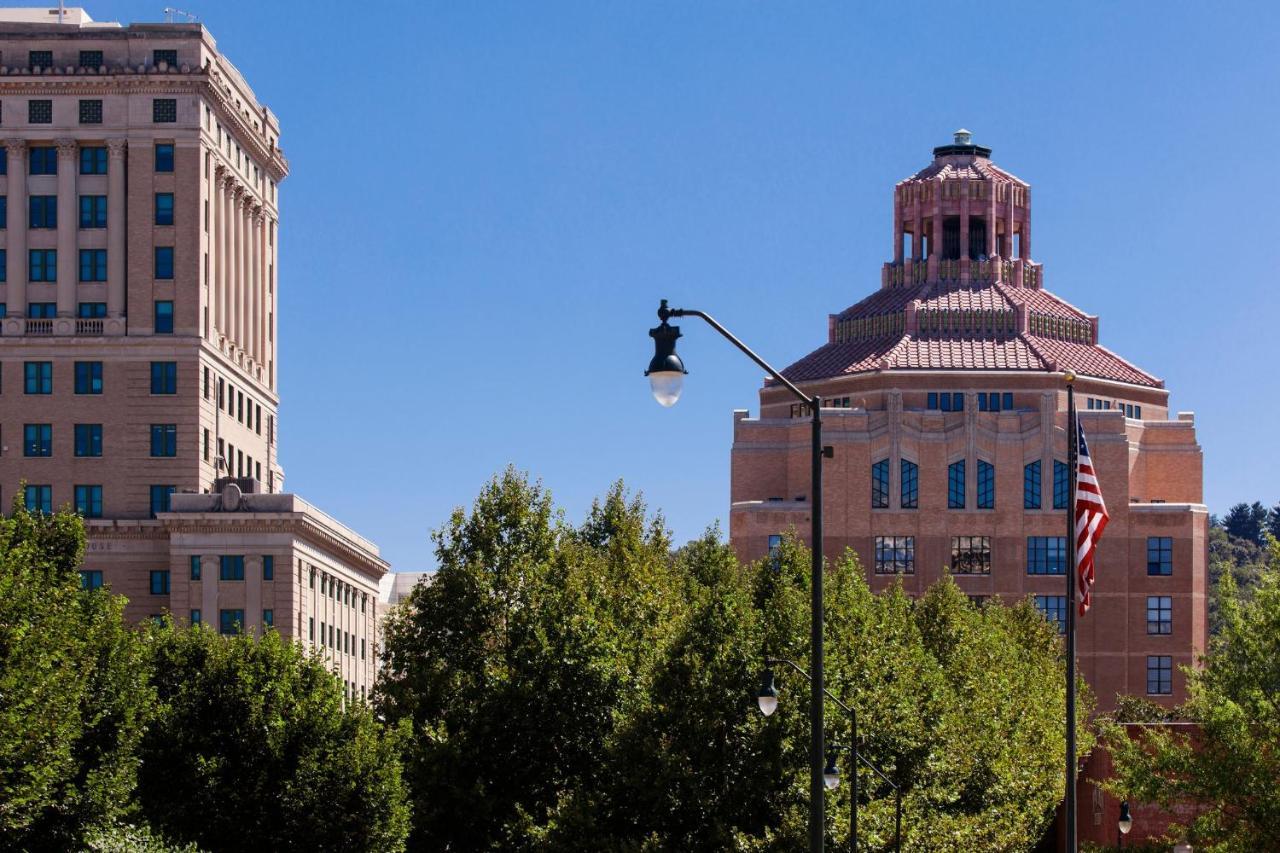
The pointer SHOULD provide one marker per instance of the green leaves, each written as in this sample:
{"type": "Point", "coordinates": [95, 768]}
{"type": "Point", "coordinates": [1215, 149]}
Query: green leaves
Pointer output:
{"type": "Point", "coordinates": [1229, 764]}
{"type": "Point", "coordinates": [587, 688]}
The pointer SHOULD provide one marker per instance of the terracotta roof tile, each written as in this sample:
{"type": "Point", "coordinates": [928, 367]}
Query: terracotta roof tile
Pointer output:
{"type": "Point", "coordinates": [966, 299]}
{"type": "Point", "coordinates": [1090, 360]}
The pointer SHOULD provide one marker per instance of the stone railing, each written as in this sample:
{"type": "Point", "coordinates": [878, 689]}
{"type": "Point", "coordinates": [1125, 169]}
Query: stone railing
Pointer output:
{"type": "Point", "coordinates": [39, 327]}
{"type": "Point", "coordinates": [89, 327]}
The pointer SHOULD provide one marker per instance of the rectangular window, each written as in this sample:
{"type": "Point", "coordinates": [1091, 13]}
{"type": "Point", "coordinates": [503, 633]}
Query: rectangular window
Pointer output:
{"type": "Point", "coordinates": [164, 377]}
{"type": "Point", "coordinates": [164, 110]}
{"type": "Point", "coordinates": [91, 310]}
{"type": "Point", "coordinates": [37, 440]}
{"type": "Point", "coordinates": [91, 59]}
{"type": "Point", "coordinates": [43, 160]}
{"type": "Point", "coordinates": [38, 498]}
{"type": "Point", "coordinates": [895, 555]}
{"type": "Point", "coordinates": [88, 439]}
{"type": "Point", "coordinates": [194, 563]}
{"type": "Point", "coordinates": [1031, 485]}
{"type": "Point", "coordinates": [880, 484]}
{"type": "Point", "coordinates": [269, 618]}
{"type": "Point", "coordinates": [195, 617]}
{"type": "Point", "coordinates": [38, 376]}
{"type": "Point", "coordinates": [42, 211]}
{"type": "Point", "coordinates": [164, 157]}
{"type": "Point", "coordinates": [160, 583]}
{"type": "Point", "coordinates": [1061, 485]}
{"type": "Point", "coordinates": [40, 112]}
{"type": "Point", "coordinates": [986, 485]}
{"type": "Point", "coordinates": [42, 265]}
{"type": "Point", "coordinates": [231, 567]}
{"type": "Point", "coordinates": [971, 555]}
{"type": "Point", "coordinates": [90, 579]}
{"type": "Point", "coordinates": [168, 58]}
{"type": "Point", "coordinates": [1054, 607]}
{"type": "Point", "coordinates": [160, 498]}
{"type": "Point", "coordinates": [362, 649]}
{"type": "Point", "coordinates": [164, 262]}
{"type": "Point", "coordinates": [42, 310]}
{"type": "Point", "coordinates": [206, 444]}
{"type": "Point", "coordinates": [40, 58]}
{"type": "Point", "coordinates": [89, 501]}
{"type": "Point", "coordinates": [164, 317]}
{"type": "Point", "coordinates": [268, 567]}
{"type": "Point", "coordinates": [1006, 400]}
{"type": "Point", "coordinates": [1159, 675]}
{"type": "Point", "coordinates": [93, 264]}
{"type": "Point", "coordinates": [1159, 614]}
{"type": "Point", "coordinates": [93, 160]}
{"type": "Point", "coordinates": [164, 208]}
{"type": "Point", "coordinates": [955, 485]}
{"type": "Point", "coordinates": [93, 211]}
{"type": "Point", "coordinates": [90, 112]}
{"type": "Point", "coordinates": [1159, 555]}
{"type": "Point", "coordinates": [311, 629]}
{"type": "Point", "coordinates": [230, 621]}
{"type": "Point", "coordinates": [1046, 555]}
{"type": "Point", "coordinates": [932, 402]}
{"type": "Point", "coordinates": [910, 484]}
{"type": "Point", "coordinates": [164, 440]}
{"type": "Point", "coordinates": [4, 211]}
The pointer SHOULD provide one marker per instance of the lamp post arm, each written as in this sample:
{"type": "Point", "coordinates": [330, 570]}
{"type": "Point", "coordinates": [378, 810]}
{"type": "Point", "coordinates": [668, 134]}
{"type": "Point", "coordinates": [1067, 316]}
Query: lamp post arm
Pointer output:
{"type": "Point", "coordinates": [729, 336]}
{"type": "Point", "coordinates": [797, 668]}
{"type": "Point", "coordinates": [873, 768]}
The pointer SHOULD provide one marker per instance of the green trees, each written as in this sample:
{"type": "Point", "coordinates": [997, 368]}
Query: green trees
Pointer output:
{"type": "Point", "coordinates": [73, 690]}
{"type": "Point", "coordinates": [1229, 769]}
{"type": "Point", "coordinates": [108, 732]}
{"type": "Point", "coordinates": [584, 688]}
{"type": "Point", "coordinates": [250, 740]}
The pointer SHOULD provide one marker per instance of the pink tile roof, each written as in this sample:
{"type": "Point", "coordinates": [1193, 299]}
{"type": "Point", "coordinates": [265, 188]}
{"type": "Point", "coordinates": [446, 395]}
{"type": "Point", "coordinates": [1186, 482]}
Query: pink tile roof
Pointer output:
{"type": "Point", "coordinates": [978, 168]}
{"type": "Point", "coordinates": [996, 351]}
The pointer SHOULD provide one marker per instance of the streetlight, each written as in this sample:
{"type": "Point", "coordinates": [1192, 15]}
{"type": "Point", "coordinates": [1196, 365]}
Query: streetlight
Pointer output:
{"type": "Point", "coordinates": [1126, 821]}
{"type": "Point", "coordinates": [767, 698]}
{"type": "Point", "coordinates": [768, 701]}
{"type": "Point", "coordinates": [666, 379]}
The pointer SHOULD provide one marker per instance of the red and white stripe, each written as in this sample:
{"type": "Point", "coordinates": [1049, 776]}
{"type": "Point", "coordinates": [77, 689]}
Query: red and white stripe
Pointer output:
{"type": "Point", "coordinates": [1091, 519]}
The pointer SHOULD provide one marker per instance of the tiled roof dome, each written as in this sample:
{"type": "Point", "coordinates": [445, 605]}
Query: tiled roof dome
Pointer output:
{"type": "Point", "coordinates": [964, 294]}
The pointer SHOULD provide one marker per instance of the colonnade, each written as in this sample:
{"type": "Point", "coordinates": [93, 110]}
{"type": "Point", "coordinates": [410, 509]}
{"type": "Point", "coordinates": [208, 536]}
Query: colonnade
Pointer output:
{"type": "Point", "coordinates": [240, 292]}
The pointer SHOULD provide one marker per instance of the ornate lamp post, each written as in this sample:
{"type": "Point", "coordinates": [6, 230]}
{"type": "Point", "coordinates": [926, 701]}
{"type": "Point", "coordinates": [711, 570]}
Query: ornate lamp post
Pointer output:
{"type": "Point", "coordinates": [1126, 821]}
{"type": "Point", "coordinates": [666, 379]}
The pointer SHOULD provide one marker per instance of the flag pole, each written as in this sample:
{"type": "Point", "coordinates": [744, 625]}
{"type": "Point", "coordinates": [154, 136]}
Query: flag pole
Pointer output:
{"type": "Point", "coordinates": [1070, 567]}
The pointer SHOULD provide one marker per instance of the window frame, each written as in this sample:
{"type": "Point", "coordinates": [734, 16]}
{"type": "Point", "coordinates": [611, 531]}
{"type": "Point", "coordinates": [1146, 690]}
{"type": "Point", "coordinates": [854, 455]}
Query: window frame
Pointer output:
{"type": "Point", "coordinates": [908, 484]}
{"type": "Point", "coordinates": [970, 555]}
{"type": "Point", "coordinates": [895, 555]}
{"type": "Point", "coordinates": [956, 484]}
{"type": "Point", "coordinates": [1161, 608]}
{"type": "Point", "coordinates": [1162, 548]}
{"type": "Point", "coordinates": [1033, 485]}
{"type": "Point", "coordinates": [880, 484]}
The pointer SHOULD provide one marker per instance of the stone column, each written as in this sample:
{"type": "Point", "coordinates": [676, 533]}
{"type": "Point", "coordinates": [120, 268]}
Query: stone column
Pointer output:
{"type": "Point", "coordinates": [1026, 225]}
{"type": "Point", "coordinates": [965, 189]}
{"type": "Point", "coordinates": [935, 236]}
{"type": "Point", "coordinates": [255, 291]}
{"type": "Point", "coordinates": [68, 259]}
{"type": "Point", "coordinates": [917, 234]}
{"type": "Point", "coordinates": [117, 228]}
{"type": "Point", "coordinates": [237, 265]}
{"type": "Point", "coordinates": [215, 251]}
{"type": "Point", "coordinates": [898, 192]}
{"type": "Point", "coordinates": [209, 569]}
{"type": "Point", "coordinates": [224, 290]}
{"type": "Point", "coordinates": [16, 232]}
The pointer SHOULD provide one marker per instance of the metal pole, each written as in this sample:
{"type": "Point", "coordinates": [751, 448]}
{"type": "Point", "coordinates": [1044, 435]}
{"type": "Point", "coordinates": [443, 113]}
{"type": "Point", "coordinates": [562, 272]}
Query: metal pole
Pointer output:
{"type": "Point", "coordinates": [1069, 558]}
{"type": "Point", "coordinates": [853, 784]}
{"type": "Point", "coordinates": [817, 791]}
{"type": "Point", "coordinates": [897, 820]}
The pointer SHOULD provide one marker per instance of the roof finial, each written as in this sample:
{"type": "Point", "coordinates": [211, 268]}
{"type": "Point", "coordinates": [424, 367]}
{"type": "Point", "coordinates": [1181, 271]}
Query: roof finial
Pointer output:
{"type": "Point", "coordinates": [964, 137]}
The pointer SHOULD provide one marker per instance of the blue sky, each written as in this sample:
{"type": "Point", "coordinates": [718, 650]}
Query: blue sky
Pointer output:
{"type": "Point", "coordinates": [488, 199]}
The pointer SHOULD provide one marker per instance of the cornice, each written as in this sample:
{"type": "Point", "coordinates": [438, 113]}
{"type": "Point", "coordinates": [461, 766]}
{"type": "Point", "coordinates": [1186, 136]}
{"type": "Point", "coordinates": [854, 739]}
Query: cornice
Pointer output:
{"type": "Point", "coordinates": [295, 523]}
{"type": "Point", "coordinates": [206, 82]}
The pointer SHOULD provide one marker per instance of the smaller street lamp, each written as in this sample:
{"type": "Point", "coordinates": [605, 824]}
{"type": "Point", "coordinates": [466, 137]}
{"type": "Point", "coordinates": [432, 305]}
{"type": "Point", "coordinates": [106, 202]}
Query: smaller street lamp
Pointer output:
{"type": "Point", "coordinates": [1126, 821]}
{"type": "Point", "coordinates": [831, 775]}
{"type": "Point", "coordinates": [767, 698]}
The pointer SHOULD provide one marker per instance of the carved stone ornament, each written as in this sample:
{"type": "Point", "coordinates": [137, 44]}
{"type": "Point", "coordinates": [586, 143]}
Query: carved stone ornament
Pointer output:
{"type": "Point", "coordinates": [66, 148]}
{"type": "Point", "coordinates": [116, 148]}
{"type": "Point", "coordinates": [232, 498]}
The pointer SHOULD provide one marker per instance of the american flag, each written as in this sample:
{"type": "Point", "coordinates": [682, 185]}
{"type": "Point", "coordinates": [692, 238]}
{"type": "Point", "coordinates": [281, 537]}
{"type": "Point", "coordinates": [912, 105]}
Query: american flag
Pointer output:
{"type": "Point", "coordinates": [1091, 518]}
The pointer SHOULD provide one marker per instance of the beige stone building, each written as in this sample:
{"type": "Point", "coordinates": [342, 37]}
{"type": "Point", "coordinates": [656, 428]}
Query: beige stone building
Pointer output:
{"type": "Point", "coordinates": [139, 221]}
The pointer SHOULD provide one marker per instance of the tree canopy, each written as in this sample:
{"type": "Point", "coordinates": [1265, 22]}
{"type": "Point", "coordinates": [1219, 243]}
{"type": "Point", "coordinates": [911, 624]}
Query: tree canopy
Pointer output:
{"type": "Point", "coordinates": [1227, 768]}
{"type": "Point", "coordinates": [588, 688]}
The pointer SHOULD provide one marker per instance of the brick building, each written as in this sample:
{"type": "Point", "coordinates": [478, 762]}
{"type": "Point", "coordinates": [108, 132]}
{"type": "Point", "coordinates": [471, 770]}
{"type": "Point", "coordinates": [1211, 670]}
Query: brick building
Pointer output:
{"type": "Point", "coordinates": [139, 227]}
{"type": "Point", "coordinates": [945, 403]}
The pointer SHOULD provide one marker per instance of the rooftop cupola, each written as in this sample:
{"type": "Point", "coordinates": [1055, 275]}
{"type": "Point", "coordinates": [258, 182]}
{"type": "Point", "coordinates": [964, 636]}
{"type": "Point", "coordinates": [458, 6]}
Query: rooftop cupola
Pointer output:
{"type": "Point", "coordinates": [962, 220]}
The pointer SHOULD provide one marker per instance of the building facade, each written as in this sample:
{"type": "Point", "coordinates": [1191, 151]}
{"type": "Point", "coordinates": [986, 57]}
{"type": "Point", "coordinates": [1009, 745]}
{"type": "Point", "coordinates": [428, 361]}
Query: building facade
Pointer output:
{"type": "Point", "coordinates": [944, 401]}
{"type": "Point", "coordinates": [139, 222]}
